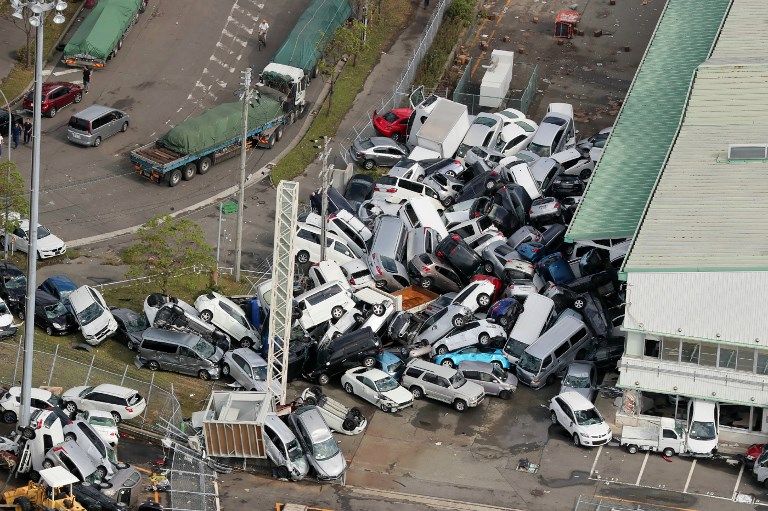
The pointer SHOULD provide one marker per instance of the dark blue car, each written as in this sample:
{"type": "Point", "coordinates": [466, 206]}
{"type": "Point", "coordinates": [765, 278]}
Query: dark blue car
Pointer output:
{"type": "Point", "coordinates": [58, 286]}
{"type": "Point", "coordinates": [555, 268]}
{"type": "Point", "coordinates": [505, 312]}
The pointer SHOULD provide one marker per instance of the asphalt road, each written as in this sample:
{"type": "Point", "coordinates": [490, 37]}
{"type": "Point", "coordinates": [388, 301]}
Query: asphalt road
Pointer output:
{"type": "Point", "coordinates": [181, 57]}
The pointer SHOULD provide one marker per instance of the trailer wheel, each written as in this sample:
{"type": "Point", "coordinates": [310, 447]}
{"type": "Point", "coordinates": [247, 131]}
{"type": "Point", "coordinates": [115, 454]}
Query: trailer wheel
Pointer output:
{"type": "Point", "coordinates": [189, 171]}
{"type": "Point", "coordinates": [204, 165]}
{"type": "Point", "coordinates": [174, 178]}
{"type": "Point", "coordinates": [291, 117]}
{"type": "Point", "coordinates": [271, 141]}
{"type": "Point", "coordinates": [279, 133]}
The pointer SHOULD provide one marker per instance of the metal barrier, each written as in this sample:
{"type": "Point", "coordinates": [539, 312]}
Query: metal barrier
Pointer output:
{"type": "Point", "coordinates": [468, 92]}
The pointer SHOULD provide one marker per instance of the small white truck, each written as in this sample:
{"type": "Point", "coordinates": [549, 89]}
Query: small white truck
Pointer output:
{"type": "Point", "coordinates": [667, 437]}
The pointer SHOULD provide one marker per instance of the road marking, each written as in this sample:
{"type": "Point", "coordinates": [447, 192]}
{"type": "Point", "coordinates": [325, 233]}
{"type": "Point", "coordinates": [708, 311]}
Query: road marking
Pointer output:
{"type": "Point", "coordinates": [179, 110]}
{"type": "Point", "coordinates": [597, 495]}
{"type": "Point", "coordinates": [238, 23]}
{"type": "Point", "coordinates": [46, 72]}
{"type": "Point", "coordinates": [642, 469]}
{"type": "Point", "coordinates": [66, 72]}
{"type": "Point", "coordinates": [594, 463]}
{"type": "Point", "coordinates": [222, 63]}
{"type": "Point", "coordinates": [690, 474]}
{"type": "Point", "coordinates": [423, 500]}
{"type": "Point", "coordinates": [738, 482]}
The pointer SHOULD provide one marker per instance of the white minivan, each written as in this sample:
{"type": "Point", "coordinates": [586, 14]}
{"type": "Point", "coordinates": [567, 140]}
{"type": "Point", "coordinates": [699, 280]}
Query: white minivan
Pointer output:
{"type": "Point", "coordinates": [306, 247]}
{"type": "Point", "coordinates": [421, 212]}
{"type": "Point", "coordinates": [537, 310]}
{"type": "Point", "coordinates": [702, 427]}
{"type": "Point", "coordinates": [318, 305]}
{"type": "Point", "coordinates": [347, 227]}
{"type": "Point", "coordinates": [92, 314]}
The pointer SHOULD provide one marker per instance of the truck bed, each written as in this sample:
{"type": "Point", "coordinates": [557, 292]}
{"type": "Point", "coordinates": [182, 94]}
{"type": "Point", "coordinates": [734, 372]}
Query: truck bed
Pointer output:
{"type": "Point", "coordinates": [415, 298]}
{"type": "Point", "coordinates": [640, 435]}
{"type": "Point", "coordinates": [157, 154]}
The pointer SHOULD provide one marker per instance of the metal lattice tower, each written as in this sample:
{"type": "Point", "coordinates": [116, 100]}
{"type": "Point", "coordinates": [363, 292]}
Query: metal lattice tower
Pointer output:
{"type": "Point", "coordinates": [281, 306]}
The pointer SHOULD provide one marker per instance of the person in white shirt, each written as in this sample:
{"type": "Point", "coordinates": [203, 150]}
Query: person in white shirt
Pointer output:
{"type": "Point", "coordinates": [263, 28]}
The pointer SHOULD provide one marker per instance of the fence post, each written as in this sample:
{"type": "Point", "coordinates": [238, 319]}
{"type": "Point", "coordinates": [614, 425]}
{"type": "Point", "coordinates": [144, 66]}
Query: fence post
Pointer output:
{"type": "Point", "coordinates": [15, 367]}
{"type": "Point", "coordinates": [149, 394]}
{"type": "Point", "coordinates": [53, 364]}
{"type": "Point", "coordinates": [125, 372]}
{"type": "Point", "coordinates": [90, 367]}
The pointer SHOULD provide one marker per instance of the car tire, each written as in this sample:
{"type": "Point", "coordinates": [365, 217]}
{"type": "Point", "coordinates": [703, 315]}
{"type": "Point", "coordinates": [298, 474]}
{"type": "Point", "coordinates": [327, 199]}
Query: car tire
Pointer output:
{"type": "Point", "coordinates": [52, 112]}
{"type": "Point", "coordinates": [225, 369]}
{"type": "Point", "coordinates": [71, 408]}
{"type": "Point", "coordinates": [457, 320]}
{"type": "Point", "coordinates": [579, 304]}
{"type": "Point", "coordinates": [204, 165]}
{"type": "Point", "coordinates": [48, 330]}
{"type": "Point", "coordinates": [78, 97]}
{"type": "Point", "coordinates": [190, 169]}
{"type": "Point", "coordinates": [21, 315]}
{"type": "Point", "coordinates": [246, 342]}
{"type": "Point", "coordinates": [323, 379]}
{"type": "Point", "coordinates": [484, 339]}
{"type": "Point", "coordinates": [426, 283]}
{"type": "Point", "coordinates": [70, 436]}
{"type": "Point", "coordinates": [441, 350]}
{"type": "Point", "coordinates": [448, 363]}
{"type": "Point", "coordinates": [384, 408]}
{"type": "Point", "coordinates": [310, 400]}
{"type": "Point", "coordinates": [576, 440]}
{"type": "Point", "coordinates": [337, 312]}
{"type": "Point", "coordinates": [496, 363]}
{"type": "Point", "coordinates": [203, 375]}
{"type": "Point", "coordinates": [279, 133]}
{"type": "Point", "coordinates": [668, 452]}
{"type": "Point", "coordinates": [152, 365]}
{"type": "Point", "coordinates": [488, 268]}
{"type": "Point", "coordinates": [416, 392]}
{"type": "Point", "coordinates": [348, 424]}
{"type": "Point", "coordinates": [490, 185]}
{"type": "Point", "coordinates": [369, 362]}
{"type": "Point", "coordinates": [503, 321]}
{"type": "Point", "coordinates": [447, 202]}
{"type": "Point", "coordinates": [632, 449]}
{"type": "Point", "coordinates": [174, 178]}
{"type": "Point", "coordinates": [380, 284]}
{"type": "Point", "coordinates": [124, 127]}
{"type": "Point", "coordinates": [379, 309]}
{"type": "Point", "coordinates": [23, 503]}
{"type": "Point", "coordinates": [101, 470]}
{"type": "Point", "coordinates": [459, 405]}
{"type": "Point", "coordinates": [117, 417]}
{"type": "Point", "coordinates": [283, 473]}
{"type": "Point", "coordinates": [10, 417]}
{"type": "Point", "coordinates": [303, 258]}
{"type": "Point", "coordinates": [553, 418]}
{"type": "Point", "coordinates": [505, 394]}
{"type": "Point", "coordinates": [28, 433]}
{"type": "Point", "coordinates": [47, 463]}
{"type": "Point", "coordinates": [368, 164]}
{"type": "Point", "coordinates": [97, 142]}
{"type": "Point", "coordinates": [206, 315]}
{"type": "Point", "coordinates": [348, 388]}
{"type": "Point", "coordinates": [483, 299]}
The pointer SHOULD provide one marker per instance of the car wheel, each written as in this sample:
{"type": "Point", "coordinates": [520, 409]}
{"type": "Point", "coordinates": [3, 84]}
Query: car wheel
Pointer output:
{"type": "Point", "coordinates": [459, 405]}
{"type": "Point", "coordinates": [576, 440]}
{"type": "Point", "coordinates": [203, 375]}
{"type": "Point", "coordinates": [102, 472]}
{"type": "Point", "coordinates": [348, 388]}
{"type": "Point", "coordinates": [380, 284]}
{"type": "Point", "coordinates": [206, 315]}
{"type": "Point", "coordinates": [458, 320]}
{"type": "Point", "coordinates": [490, 185]}
{"type": "Point", "coordinates": [368, 164]}
{"type": "Point", "coordinates": [323, 379]}
{"type": "Point", "coordinates": [426, 283]}
{"type": "Point", "coordinates": [152, 365]}
{"type": "Point", "coordinates": [505, 394]}
{"type": "Point", "coordinates": [283, 473]}
{"type": "Point", "coordinates": [632, 449]}
{"type": "Point", "coordinates": [379, 309]}
{"type": "Point", "coordinates": [28, 433]}
{"type": "Point", "coordinates": [553, 417]}
{"type": "Point", "coordinates": [579, 303]}
{"type": "Point", "coordinates": [97, 142]}
{"type": "Point", "coordinates": [668, 452]}
{"type": "Point", "coordinates": [190, 169]}
{"type": "Point", "coordinates": [204, 165]}
{"type": "Point", "coordinates": [117, 417]}
{"type": "Point", "coordinates": [384, 408]}
{"type": "Point", "coordinates": [21, 315]}
{"type": "Point", "coordinates": [124, 127]}
{"type": "Point", "coordinates": [484, 339]}
{"type": "Point", "coordinates": [225, 369]}
{"type": "Point", "coordinates": [49, 330]}
{"type": "Point", "coordinates": [303, 257]}
{"type": "Point", "coordinates": [52, 112]}
{"type": "Point", "coordinates": [70, 436]}
{"type": "Point", "coordinates": [71, 408]}
{"type": "Point", "coordinates": [497, 364]}
{"type": "Point", "coordinates": [174, 178]}
{"type": "Point", "coordinates": [447, 202]}
{"type": "Point", "coordinates": [488, 268]}
{"type": "Point", "coordinates": [441, 350]}
{"type": "Point", "coordinates": [47, 463]}
{"type": "Point", "coordinates": [9, 417]}
{"type": "Point", "coordinates": [337, 312]}
{"type": "Point", "coordinates": [450, 173]}
{"type": "Point", "coordinates": [448, 363]}
{"type": "Point", "coordinates": [483, 299]}
{"type": "Point", "coordinates": [78, 97]}
{"type": "Point", "coordinates": [246, 342]}
{"type": "Point", "coordinates": [503, 321]}
{"type": "Point", "coordinates": [349, 424]}
{"type": "Point", "coordinates": [416, 392]}
{"type": "Point", "coordinates": [369, 362]}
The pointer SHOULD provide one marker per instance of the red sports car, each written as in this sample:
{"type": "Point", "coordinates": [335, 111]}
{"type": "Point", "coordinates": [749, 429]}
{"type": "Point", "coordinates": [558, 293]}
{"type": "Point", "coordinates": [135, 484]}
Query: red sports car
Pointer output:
{"type": "Point", "coordinates": [56, 95]}
{"type": "Point", "coordinates": [393, 124]}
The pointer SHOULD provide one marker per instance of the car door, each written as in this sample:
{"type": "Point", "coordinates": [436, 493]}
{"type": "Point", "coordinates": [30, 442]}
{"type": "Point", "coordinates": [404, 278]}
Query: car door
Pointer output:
{"type": "Point", "coordinates": [188, 362]}
{"type": "Point", "coordinates": [443, 387]}
{"type": "Point", "coordinates": [41, 319]}
{"type": "Point", "coordinates": [230, 321]}
{"type": "Point", "coordinates": [559, 409]}
{"type": "Point", "coordinates": [490, 383]}
{"type": "Point", "coordinates": [20, 239]}
{"type": "Point", "coordinates": [275, 447]}
{"type": "Point", "coordinates": [367, 389]}
{"type": "Point", "coordinates": [114, 124]}
{"type": "Point", "coordinates": [237, 370]}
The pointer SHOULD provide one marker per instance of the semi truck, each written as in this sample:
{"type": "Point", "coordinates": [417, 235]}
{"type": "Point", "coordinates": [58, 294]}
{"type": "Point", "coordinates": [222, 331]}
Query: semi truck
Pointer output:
{"type": "Point", "coordinates": [101, 34]}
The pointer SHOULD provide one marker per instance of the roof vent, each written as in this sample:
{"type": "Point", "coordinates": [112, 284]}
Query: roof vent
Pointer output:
{"type": "Point", "coordinates": [748, 151]}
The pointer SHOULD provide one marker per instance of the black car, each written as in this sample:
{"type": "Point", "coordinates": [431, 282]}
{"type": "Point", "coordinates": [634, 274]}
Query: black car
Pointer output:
{"type": "Point", "coordinates": [91, 498]}
{"type": "Point", "coordinates": [130, 326]}
{"type": "Point", "coordinates": [353, 349]}
{"type": "Point", "coordinates": [359, 189]}
{"type": "Point", "coordinates": [13, 287]}
{"type": "Point", "coordinates": [52, 315]}
{"type": "Point", "coordinates": [514, 199]}
{"type": "Point", "coordinates": [484, 183]}
{"type": "Point", "coordinates": [456, 252]}
{"type": "Point", "coordinates": [336, 201]}
{"type": "Point", "coordinates": [604, 353]}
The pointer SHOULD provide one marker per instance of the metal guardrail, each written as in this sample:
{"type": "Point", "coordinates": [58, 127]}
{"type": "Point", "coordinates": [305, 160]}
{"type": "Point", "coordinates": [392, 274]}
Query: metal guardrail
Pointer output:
{"type": "Point", "coordinates": [466, 92]}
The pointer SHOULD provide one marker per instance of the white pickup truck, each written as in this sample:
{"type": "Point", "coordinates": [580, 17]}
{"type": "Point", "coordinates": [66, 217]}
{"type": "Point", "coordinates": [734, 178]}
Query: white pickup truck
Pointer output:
{"type": "Point", "coordinates": [667, 437]}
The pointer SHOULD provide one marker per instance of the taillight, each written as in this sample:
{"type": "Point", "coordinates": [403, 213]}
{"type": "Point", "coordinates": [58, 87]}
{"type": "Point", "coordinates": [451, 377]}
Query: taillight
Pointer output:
{"type": "Point", "coordinates": [425, 269]}
{"type": "Point", "coordinates": [352, 281]}
{"type": "Point", "coordinates": [391, 190]}
{"type": "Point", "coordinates": [493, 173]}
{"type": "Point", "coordinates": [455, 237]}
{"type": "Point", "coordinates": [476, 214]}
{"type": "Point", "coordinates": [39, 424]}
{"type": "Point", "coordinates": [378, 271]}
{"type": "Point", "coordinates": [535, 250]}
{"type": "Point", "coordinates": [457, 162]}
{"type": "Point", "coordinates": [440, 254]}
{"type": "Point", "coordinates": [129, 409]}
{"type": "Point", "coordinates": [557, 204]}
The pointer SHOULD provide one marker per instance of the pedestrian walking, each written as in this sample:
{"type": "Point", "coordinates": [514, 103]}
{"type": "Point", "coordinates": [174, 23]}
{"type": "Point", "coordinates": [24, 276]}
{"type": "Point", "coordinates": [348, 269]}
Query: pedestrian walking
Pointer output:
{"type": "Point", "coordinates": [27, 131]}
{"type": "Point", "coordinates": [15, 134]}
{"type": "Point", "coordinates": [263, 28]}
{"type": "Point", "coordinates": [86, 78]}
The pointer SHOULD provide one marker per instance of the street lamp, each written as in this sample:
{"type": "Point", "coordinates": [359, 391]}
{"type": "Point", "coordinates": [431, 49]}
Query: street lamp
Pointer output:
{"type": "Point", "coordinates": [38, 8]}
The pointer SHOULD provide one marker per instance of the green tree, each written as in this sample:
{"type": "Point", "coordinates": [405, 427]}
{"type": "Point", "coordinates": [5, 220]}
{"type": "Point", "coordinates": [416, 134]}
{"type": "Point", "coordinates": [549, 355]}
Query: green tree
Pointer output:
{"type": "Point", "coordinates": [348, 40]}
{"type": "Point", "coordinates": [13, 196]}
{"type": "Point", "coordinates": [165, 245]}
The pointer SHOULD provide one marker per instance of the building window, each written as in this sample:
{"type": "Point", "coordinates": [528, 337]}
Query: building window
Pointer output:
{"type": "Point", "coordinates": [762, 362]}
{"type": "Point", "coordinates": [735, 416]}
{"type": "Point", "coordinates": [652, 347]}
{"type": "Point", "coordinates": [670, 350]}
{"type": "Point", "coordinates": [746, 360]}
{"type": "Point", "coordinates": [727, 359]}
{"type": "Point", "coordinates": [708, 355]}
{"type": "Point", "coordinates": [689, 352]}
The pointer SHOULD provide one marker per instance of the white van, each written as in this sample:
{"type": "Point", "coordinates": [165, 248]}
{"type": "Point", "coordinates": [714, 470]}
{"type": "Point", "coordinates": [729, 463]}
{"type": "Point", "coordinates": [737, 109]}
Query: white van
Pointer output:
{"type": "Point", "coordinates": [347, 227]}
{"type": "Point", "coordinates": [537, 311]}
{"type": "Point", "coordinates": [520, 173]}
{"type": "Point", "coordinates": [306, 247]}
{"type": "Point", "coordinates": [421, 212]}
{"type": "Point", "coordinates": [397, 190]}
{"type": "Point", "coordinates": [703, 427]}
{"type": "Point", "coordinates": [329, 301]}
{"type": "Point", "coordinates": [325, 272]}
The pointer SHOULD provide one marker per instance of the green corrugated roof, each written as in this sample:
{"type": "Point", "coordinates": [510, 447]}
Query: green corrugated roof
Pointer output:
{"type": "Point", "coordinates": [645, 128]}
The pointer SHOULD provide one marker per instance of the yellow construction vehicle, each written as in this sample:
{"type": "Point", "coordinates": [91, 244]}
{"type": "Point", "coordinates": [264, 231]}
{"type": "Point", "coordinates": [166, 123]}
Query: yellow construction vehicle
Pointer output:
{"type": "Point", "coordinates": [48, 494]}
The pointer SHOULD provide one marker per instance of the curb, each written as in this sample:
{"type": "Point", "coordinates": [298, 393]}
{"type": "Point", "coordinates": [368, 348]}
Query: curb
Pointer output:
{"type": "Point", "coordinates": [250, 180]}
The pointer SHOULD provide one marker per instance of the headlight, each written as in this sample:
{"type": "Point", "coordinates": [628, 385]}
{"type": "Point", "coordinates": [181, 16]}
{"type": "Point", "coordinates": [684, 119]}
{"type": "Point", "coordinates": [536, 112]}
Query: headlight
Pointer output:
{"type": "Point", "coordinates": [58, 326]}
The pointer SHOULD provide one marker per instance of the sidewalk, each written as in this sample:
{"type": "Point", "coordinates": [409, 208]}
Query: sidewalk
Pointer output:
{"type": "Point", "coordinates": [11, 39]}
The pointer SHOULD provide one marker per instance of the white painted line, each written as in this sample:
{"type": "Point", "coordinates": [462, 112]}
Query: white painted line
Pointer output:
{"type": "Point", "coordinates": [594, 463]}
{"type": "Point", "coordinates": [179, 110]}
{"type": "Point", "coordinates": [67, 71]}
{"type": "Point", "coordinates": [221, 84]}
{"type": "Point", "coordinates": [642, 469]}
{"type": "Point", "coordinates": [241, 42]}
{"type": "Point", "coordinates": [153, 134]}
{"type": "Point", "coordinates": [46, 72]}
{"type": "Point", "coordinates": [222, 63]}
{"type": "Point", "coordinates": [690, 474]}
{"type": "Point", "coordinates": [738, 482]}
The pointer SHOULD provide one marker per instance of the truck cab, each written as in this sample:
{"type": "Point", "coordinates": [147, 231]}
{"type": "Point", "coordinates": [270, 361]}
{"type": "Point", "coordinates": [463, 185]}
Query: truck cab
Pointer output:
{"type": "Point", "coordinates": [288, 80]}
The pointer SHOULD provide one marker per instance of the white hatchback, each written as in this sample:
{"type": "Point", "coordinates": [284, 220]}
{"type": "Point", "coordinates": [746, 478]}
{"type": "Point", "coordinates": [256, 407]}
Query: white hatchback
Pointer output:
{"type": "Point", "coordinates": [377, 387]}
{"type": "Point", "coordinates": [229, 317]}
{"type": "Point", "coordinates": [480, 332]}
{"type": "Point", "coordinates": [475, 295]}
{"type": "Point", "coordinates": [92, 314]}
{"type": "Point", "coordinates": [103, 423]}
{"type": "Point", "coordinates": [579, 417]}
{"type": "Point", "coordinates": [120, 402]}
{"type": "Point", "coordinates": [324, 303]}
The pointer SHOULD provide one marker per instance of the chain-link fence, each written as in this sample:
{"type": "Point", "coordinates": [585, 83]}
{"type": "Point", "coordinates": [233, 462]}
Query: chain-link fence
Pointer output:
{"type": "Point", "coordinates": [467, 91]}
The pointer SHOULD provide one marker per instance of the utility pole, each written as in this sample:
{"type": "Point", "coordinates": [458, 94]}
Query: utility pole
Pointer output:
{"type": "Point", "coordinates": [246, 97]}
{"type": "Point", "coordinates": [325, 176]}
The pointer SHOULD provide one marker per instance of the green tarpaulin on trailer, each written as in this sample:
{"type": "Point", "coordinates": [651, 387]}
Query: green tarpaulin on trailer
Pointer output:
{"type": "Point", "coordinates": [98, 34]}
{"type": "Point", "coordinates": [219, 124]}
{"type": "Point", "coordinates": [312, 32]}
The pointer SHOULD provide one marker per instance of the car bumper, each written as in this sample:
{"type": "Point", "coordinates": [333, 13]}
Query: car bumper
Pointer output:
{"type": "Point", "coordinates": [45, 254]}
{"type": "Point", "coordinates": [475, 402]}
{"type": "Point", "coordinates": [594, 442]}
{"type": "Point", "coordinates": [401, 406]}
{"type": "Point", "coordinates": [101, 335]}
{"type": "Point", "coordinates": [80, 139]}
{"type": "Point", "coordinates": [8, 331]}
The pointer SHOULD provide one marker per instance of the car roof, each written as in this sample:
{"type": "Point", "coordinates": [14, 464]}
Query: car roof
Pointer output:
{"type": "Point", "coordinates": [48, 86]}
{"type": "Point", "coordinates": [183, 338]}
{"type": "Point", "coordinates": [115, 390]}
{"type": "Point", "coordinates": [44, 298]}
{"type": "Point", "coordinates": [10, 268]}
{"type": "Point", "coordinates": [702, 410]}
{"type": "Point", "coordinates": [81, 298]}
{"type": "Point", "coordinates": [36, 393]}
{"type": "Point", "coordinates": [313, 422]}
{"type": "Point", "coordinates": [61, 281]}
{"type": "Point", "coordinates": [475, 365]}
{"type": "Point", "coordinates": [439, 370]}
{"type": "Point", "coordinates": [94, 112]}
{"type": "Point", "coordinates": [562, 329]}
{"type": "Point", "coordinates": [576, 401]}
{"type": "Point", "coordinates": [253, 358]}
{"type": "Point", "coordinates": [579, 368]}
{"type": "Point", "coordinates": [373, 373]}
{"type": "Point", "coordinates": [567, 155]}
{"type": "Point", "coordinates": [384, 141]}
{"type": "Point", "coordinates": [546, 133]}
{"type": "Point", "coordinates": [279, 427]}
